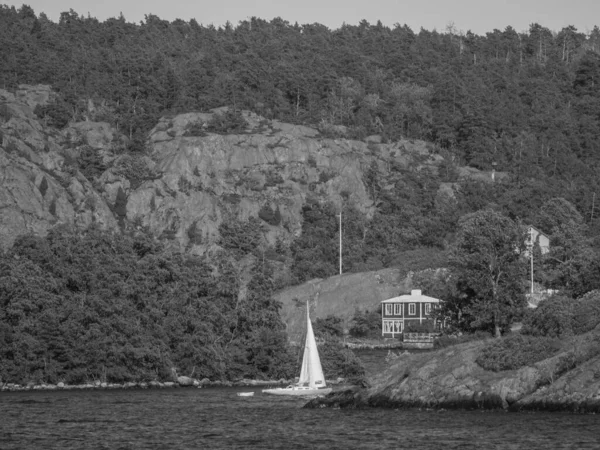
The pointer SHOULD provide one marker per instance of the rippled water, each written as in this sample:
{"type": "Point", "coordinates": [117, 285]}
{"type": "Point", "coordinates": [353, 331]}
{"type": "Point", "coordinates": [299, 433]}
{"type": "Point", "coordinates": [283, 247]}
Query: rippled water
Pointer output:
{"type": "Point", "coordinates": [216, 418]}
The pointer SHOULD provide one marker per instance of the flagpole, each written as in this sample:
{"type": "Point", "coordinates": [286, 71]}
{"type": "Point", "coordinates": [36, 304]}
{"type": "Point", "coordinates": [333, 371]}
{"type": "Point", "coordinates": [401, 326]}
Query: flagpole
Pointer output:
{"type": "Point", "coordinates": [340, 215]}
{"type": "Point", "coordinates": [531, 255]}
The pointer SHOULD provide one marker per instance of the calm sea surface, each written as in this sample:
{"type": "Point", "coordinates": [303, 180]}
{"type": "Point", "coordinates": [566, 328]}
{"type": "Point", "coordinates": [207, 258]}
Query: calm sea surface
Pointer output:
{"type": "Point", "coordinates": [216, 418]}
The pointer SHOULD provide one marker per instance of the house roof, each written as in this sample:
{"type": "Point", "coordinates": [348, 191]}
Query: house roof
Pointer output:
{"type": "Point", "coordinates": [412, 298]}
{"type": "Point", "coordinates": [538, 230]}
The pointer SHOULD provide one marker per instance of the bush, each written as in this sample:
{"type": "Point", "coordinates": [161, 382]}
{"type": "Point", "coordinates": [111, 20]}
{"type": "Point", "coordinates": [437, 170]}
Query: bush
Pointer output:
{"type": "Point", "coordinates": [338, 361]}
{"type": "Point", "coordinates": [560, 316]}
{"type": "Point", "coordinates": [586, 313]}
{"type": "Point", "coordinates": [330, 326]}
{"type": "Point", "coordinates": [365, 324]}
{"type": "Point", "coordinates": [230, 121]}
{"type": "Point", "coordinates": [553, 318]}
{"type": "Point", "coordinates": [270, 215]}
{"type": "Point", "coordinates": [57, 114]}
{"type": "Point", "coordinates": [135, 169]}
{"type": "Point", "coordinates": [241, 237]}
{"type": "Point", "coordinates": [516, 351]}
{"type": "Point", "coordinates": [90, 162]}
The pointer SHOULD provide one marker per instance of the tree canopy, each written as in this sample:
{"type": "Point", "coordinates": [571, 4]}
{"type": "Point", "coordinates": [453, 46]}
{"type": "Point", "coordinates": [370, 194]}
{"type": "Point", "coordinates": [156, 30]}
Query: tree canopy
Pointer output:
{"type": "Point", "coordinates": [487, 261]}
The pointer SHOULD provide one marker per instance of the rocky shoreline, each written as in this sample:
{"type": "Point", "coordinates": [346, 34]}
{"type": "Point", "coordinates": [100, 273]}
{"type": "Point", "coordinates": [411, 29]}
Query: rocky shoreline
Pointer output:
{"type": "Point", "coordinates": [181, 382]}
{"type": "Point", "coordinates": [450, 378]}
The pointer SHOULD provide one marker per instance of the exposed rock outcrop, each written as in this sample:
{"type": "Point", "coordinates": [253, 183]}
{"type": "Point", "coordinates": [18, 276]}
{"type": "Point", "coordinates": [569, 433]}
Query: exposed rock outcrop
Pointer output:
{"type": "Point", "coordinates": [450, 378]}
{"type": "Point", "coordinates": [191, 182]}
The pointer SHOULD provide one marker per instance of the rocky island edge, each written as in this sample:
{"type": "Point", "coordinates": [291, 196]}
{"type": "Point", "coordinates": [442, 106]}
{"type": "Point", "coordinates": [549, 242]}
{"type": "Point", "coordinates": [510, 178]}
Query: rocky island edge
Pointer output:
{"type": "Point", "coordinates": [451, 378]}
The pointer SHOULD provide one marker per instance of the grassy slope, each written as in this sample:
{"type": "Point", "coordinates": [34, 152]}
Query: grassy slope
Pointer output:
{"type": "Point", "coordinates": [339, 296]}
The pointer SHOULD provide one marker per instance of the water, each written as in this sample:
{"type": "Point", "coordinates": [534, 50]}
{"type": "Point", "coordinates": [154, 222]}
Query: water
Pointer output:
{"type": "Point", "coordinates": [216, 418]}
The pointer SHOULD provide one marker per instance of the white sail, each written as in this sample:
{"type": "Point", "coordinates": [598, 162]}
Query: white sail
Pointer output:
{"type": "Point", "coordinates": [312, 381]}
{"type": "Point", "coordinates": [311, 374]}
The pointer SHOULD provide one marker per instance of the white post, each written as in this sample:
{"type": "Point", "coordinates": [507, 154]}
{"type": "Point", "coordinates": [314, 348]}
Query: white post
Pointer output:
{"type": "Point", "coordinates": [340, 241]}
{"type": "Point", "coordinates": [531, 257]}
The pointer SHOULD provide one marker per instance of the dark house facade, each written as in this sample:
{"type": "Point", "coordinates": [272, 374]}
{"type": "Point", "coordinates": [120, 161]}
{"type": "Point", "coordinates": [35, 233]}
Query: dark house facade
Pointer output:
{"type": "Point", "coordinates": [398, 312]}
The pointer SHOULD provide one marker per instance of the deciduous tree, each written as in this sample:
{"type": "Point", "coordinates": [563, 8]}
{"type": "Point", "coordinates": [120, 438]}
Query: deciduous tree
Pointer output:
{"type": "Point", "coordinates": [487, 262]}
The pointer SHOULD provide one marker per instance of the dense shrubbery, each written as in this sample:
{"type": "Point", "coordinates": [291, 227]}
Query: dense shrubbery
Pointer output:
{"type": "Point", "coordinates": [553, 318]}
{"type": "Point", "coordinates": [562, 316]}
{"type": "Point", "coordinates": [516, 351]}
{"type": "Point", "coordinates": [90, 162]}
{"type": "Point", "coordinates": [135, 169]}
{"type": "Point", "coordinates": [586, 313]}
{"type": "Point", "coordinates": [338, 361]}
{"type": "Point", "coordinates": [580, 354]}
{"type": "Point", "coordinates": [230, 121]}
{"type": "Point", "coordinates": [329, 327]}
{"type": "Point", "coordinates": [241, 237]}
{"type": "Point", "coordinates": [366, 324]}
{"type": "Point", "coordinates": [56, 114]}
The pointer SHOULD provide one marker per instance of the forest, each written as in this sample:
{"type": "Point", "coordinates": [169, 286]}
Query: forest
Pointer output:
{"type": "Point", "coordinates": [525, 104]}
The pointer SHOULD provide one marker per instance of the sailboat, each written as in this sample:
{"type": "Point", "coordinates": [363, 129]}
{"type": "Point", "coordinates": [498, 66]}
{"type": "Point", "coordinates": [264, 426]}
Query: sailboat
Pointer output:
{"type": "Point", "coordinates": [312, 380]}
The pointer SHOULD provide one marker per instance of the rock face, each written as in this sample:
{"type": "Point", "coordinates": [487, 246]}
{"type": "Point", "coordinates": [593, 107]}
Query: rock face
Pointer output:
{"type": "Point", "coordinates": [450, 378]}
{"type": "Point", "coordinates": [189, 184]}
{"type": "Point", "coordinates": [38, 190]}
{"type": "Point", "coordinates": [206, 180]}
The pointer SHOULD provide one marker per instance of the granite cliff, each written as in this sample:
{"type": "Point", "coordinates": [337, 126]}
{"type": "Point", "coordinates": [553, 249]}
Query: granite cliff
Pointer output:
{"type": "Point", "coordinates": [186, 182]}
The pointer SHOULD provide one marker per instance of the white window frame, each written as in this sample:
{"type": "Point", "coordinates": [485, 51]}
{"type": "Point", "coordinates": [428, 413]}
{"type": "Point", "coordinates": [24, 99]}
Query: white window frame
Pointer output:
{"type": "Point", "coordinates": [412, 309]}
{"type": "Point", "coordinates": [388, 309]}
{"type": "Point", "coordinates": [393, 326]}
{"type": "Point", "coordinates": [427, 308]}
{"type": "Point", "coordinates": [397, 309]}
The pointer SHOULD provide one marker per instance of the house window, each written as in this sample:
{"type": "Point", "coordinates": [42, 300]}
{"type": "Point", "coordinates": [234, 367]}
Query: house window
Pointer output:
{"type": "Point", "coordinates": [398, 326]}
{"type": "Point", "coordinates": [388, 309]}
{"type": "Point", "coordinates": [393, 326]}
{"type": "Point", "coordinates": [412, 309]}
{"type": "Point", "coordinates": [427, 308]}
{"type": "Point", "coordinates": [398, 309]}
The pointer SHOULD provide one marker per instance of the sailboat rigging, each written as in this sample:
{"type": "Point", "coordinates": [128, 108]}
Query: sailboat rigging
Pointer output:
{"type": "Point", "coordinates": [312, 380]}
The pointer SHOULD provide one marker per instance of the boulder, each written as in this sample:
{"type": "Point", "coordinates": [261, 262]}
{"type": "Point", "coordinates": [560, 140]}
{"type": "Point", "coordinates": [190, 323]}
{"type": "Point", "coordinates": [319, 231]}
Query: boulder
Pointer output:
{"type": "Point", "coordinates": [185, 381]}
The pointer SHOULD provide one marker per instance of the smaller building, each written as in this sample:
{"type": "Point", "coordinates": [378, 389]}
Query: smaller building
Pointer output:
{"type": "Point", "coordinates": [538, 238]}
{"type": "Point", "coordinates": [399, 312]}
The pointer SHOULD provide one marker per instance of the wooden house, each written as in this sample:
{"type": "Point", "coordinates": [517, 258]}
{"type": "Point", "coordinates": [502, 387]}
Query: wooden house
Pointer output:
{"type": "Point", "coordinates": [398, 312]}
{"type": "Point", "coordinates": [538, 238]}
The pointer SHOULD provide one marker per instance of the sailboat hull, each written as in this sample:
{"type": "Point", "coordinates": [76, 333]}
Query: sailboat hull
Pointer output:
{"type": "Point", "coordinates": [298, 392]}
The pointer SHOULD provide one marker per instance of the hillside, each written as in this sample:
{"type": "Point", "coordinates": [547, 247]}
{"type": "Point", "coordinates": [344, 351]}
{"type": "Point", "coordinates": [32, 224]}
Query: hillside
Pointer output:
{"type": "Point", "coordinates": [215, 166]}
